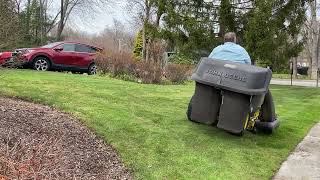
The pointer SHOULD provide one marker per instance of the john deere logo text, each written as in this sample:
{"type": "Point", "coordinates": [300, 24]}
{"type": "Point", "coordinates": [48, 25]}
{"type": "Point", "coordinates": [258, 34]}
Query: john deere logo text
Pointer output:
{"type": "Point", "coordinates": [227, 75]}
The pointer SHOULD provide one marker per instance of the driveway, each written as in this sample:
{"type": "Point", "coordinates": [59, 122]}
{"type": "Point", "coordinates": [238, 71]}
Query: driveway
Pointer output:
{"type": "Point", "coordinates": [303, 163]}
{"type": "Point", "coordinates": [306, 83]}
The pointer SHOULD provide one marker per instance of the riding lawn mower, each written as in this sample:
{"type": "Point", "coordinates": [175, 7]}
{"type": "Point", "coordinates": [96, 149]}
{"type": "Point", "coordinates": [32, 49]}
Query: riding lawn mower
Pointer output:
{"type": "Point", "coordinates": [234, 97]}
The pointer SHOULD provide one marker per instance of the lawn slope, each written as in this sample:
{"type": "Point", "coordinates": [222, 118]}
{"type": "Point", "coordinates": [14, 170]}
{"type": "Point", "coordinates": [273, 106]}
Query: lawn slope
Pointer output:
{"type": "Point", "coordinates": [147, 125]}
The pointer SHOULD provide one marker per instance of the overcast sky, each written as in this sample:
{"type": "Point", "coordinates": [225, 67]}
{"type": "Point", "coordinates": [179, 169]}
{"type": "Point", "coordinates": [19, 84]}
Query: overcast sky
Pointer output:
{"type": "Point", "coordinates": [103, 19]}
{"type": "Point", "coordinates": [96, 22]}
{"type": "Point", "coordinates": [99, 22]}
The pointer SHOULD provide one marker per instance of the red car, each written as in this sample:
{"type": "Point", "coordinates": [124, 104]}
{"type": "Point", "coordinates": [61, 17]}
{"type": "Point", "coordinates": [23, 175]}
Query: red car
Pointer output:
{"type": "Point", "coordinates": [70, 56]}
{"type": "Point", "coordinates": [4, 57]}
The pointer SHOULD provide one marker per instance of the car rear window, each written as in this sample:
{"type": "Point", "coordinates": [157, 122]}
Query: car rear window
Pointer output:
{"type": "Point", "coordinates": [85, 48]}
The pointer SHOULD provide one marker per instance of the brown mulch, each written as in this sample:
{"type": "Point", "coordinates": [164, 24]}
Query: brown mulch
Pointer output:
{"type": "Point", "coordinates": [39, 142]}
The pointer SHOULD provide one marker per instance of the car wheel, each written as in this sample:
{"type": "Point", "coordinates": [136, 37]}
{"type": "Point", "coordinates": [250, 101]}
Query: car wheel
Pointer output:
{"type": "Point", "coordinates": [41, 64]}
{"type": "Point", "coordinates": [92, 70]}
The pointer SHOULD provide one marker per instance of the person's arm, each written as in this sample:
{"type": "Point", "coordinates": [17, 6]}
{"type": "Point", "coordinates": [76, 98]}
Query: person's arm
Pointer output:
{"type": "Point", "coordinates": [247, 58]}
{"type": "Point", "coordinates": [212, 53]}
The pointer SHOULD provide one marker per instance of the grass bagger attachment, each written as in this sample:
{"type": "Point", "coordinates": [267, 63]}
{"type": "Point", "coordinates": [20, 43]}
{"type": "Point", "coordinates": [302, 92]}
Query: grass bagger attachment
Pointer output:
{"type": "Point", "coordinates": [234, 97]}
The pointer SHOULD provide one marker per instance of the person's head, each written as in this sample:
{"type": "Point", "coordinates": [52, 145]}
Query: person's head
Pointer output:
{"type": "Point", "coordinates": [230, 37]}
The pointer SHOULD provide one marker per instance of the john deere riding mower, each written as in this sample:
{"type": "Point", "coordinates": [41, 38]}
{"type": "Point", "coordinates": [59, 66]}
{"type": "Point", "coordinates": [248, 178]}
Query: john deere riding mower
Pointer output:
{"type": "Point", "coordinates": [234, 97]}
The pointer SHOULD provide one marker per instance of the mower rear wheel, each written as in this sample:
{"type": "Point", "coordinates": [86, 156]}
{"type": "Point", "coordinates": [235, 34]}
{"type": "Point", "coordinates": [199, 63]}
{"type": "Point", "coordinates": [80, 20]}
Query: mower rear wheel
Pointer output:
{"type": "Point", "coordinates": [189, 111]}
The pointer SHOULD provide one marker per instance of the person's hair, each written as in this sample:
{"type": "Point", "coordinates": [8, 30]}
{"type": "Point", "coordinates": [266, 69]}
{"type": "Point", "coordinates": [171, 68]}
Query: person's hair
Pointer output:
{"type": "Point", "coordinates": [230, 37]}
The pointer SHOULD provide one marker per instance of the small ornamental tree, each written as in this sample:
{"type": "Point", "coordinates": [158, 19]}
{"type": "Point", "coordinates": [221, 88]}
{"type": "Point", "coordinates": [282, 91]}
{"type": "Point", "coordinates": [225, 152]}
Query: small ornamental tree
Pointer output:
{"type": "Point", "coordinates": [137, 51]}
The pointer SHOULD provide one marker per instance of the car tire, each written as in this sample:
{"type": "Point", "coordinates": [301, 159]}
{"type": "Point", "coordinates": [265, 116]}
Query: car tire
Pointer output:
{"type": "Point", "coordinates": [92, 70]}
{"type": "Point", "coordinates": [41, 64]}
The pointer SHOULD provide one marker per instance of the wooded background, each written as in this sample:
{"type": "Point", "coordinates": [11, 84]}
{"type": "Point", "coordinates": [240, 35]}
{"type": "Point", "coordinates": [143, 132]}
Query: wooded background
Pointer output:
{"type": "Point", "coordinates": [273, 31]}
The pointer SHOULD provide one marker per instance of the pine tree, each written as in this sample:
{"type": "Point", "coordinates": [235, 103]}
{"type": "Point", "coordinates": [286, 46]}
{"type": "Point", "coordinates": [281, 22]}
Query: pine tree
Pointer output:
{"type": "Point", "coordinates": [226, 18]}
{"type": "Point", "coordinates": [35, 22]}
{"type": "Point", "coordinates": [189, 27]}
{"type": "Point", "coordinates": [9, 28]}
{"type": "Point", "coordinates": [266, 28]}
{"type": "Point", "coordinates": [270, 35]}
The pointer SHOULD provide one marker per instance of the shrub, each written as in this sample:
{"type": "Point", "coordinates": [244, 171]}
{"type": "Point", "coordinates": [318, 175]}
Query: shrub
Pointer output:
{"type": "Point", "coordinates": [182, 59]}
{"type": "Point", "coordinates": [177, 73]}
{"type": "Point", "coordinates": [157, 48]}
{"type": "Point", "coordinates": [15, 62]}
{"type": "Point", "coordinates": [116, 64]}
{"type": "Point", "coordinates": [149, 72]}
{"type": "Point", "coordinates": [126, 67]}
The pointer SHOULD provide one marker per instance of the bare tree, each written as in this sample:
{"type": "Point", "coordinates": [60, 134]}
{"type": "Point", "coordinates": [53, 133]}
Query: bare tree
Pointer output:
{"type": "Point", "coordinates": [28, 17]}
{"type": "Point", "coordinates": [142, 12]}
{"type": "Point", "coordinates": [312, 34]}
{"type": "Point", "coordinates": [113, 38]}
{"type": "Point", "coordinates": [79, 7]}
{"type": "Point", "coordinates": [43, 18]}
{"type": "Point", "coordinates": [148, 13]}
{"type": "Point", "coordinates": [18, 4]}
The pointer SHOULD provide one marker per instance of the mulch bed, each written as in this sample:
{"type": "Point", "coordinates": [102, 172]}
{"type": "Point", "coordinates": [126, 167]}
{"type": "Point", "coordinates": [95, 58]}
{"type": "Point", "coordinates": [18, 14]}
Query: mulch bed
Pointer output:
{"type": "Point", "coordinates": [39, 142]}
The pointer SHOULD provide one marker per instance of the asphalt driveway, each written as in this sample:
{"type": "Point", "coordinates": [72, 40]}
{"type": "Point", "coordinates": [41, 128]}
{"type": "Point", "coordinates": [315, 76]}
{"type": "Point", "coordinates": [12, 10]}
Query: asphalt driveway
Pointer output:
{"type": "Point", "coordinates": [306, 83]}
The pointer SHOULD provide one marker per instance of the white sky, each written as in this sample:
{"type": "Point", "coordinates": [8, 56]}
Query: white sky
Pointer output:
{"type": "Point", "coordinates": [98, 21]}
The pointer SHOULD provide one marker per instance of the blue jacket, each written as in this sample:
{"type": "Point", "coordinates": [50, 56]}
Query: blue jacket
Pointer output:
{"type": "Point", "coordinates": [231, 52]}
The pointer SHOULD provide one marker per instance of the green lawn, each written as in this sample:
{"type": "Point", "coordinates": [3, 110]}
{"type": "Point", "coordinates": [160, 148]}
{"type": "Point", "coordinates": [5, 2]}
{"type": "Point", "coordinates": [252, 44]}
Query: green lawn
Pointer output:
{"type": "Point", "coordinates": [148, 126]}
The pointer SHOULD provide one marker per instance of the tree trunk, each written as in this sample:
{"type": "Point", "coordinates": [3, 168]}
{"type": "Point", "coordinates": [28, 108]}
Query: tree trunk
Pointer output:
{"type": "Point", "coordinates": [145, 54]}
{"type": "Point", "coordinates": [147, 51]}
{"type": "Point", "coordinates": [314, 32]}
{"type": "Point", "coordinates": [28, 18]}
{"type": "Point", "coordinates": [45, 16]}
{"type": "Point", "coordinates": [313, 65]}
{"type": "Point", "coordinates": [317, 60]}
{"type": "Point", "coordinates": [315, 56]}
{"type": "Point", "coordinates": [144, 42]}
{"type": "Point", "coordinates": [18, 4]}
{"type": "Point", "coordinates": [295, 71]}
{"type": "Point", "coordinates": [309, 69]}
{"type": "Point", "coordinates": [41, 21]}
{"type": "Point", "coordinates": [61, 22]}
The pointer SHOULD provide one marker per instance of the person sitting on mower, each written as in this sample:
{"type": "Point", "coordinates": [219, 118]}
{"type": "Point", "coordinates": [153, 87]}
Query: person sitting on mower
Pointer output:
{"type": "Point", "coordinates": [231, 51]}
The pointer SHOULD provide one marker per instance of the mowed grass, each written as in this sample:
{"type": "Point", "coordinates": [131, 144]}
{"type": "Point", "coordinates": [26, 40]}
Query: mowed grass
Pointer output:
{"type": "Point", "coordinates": [147, 124]}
